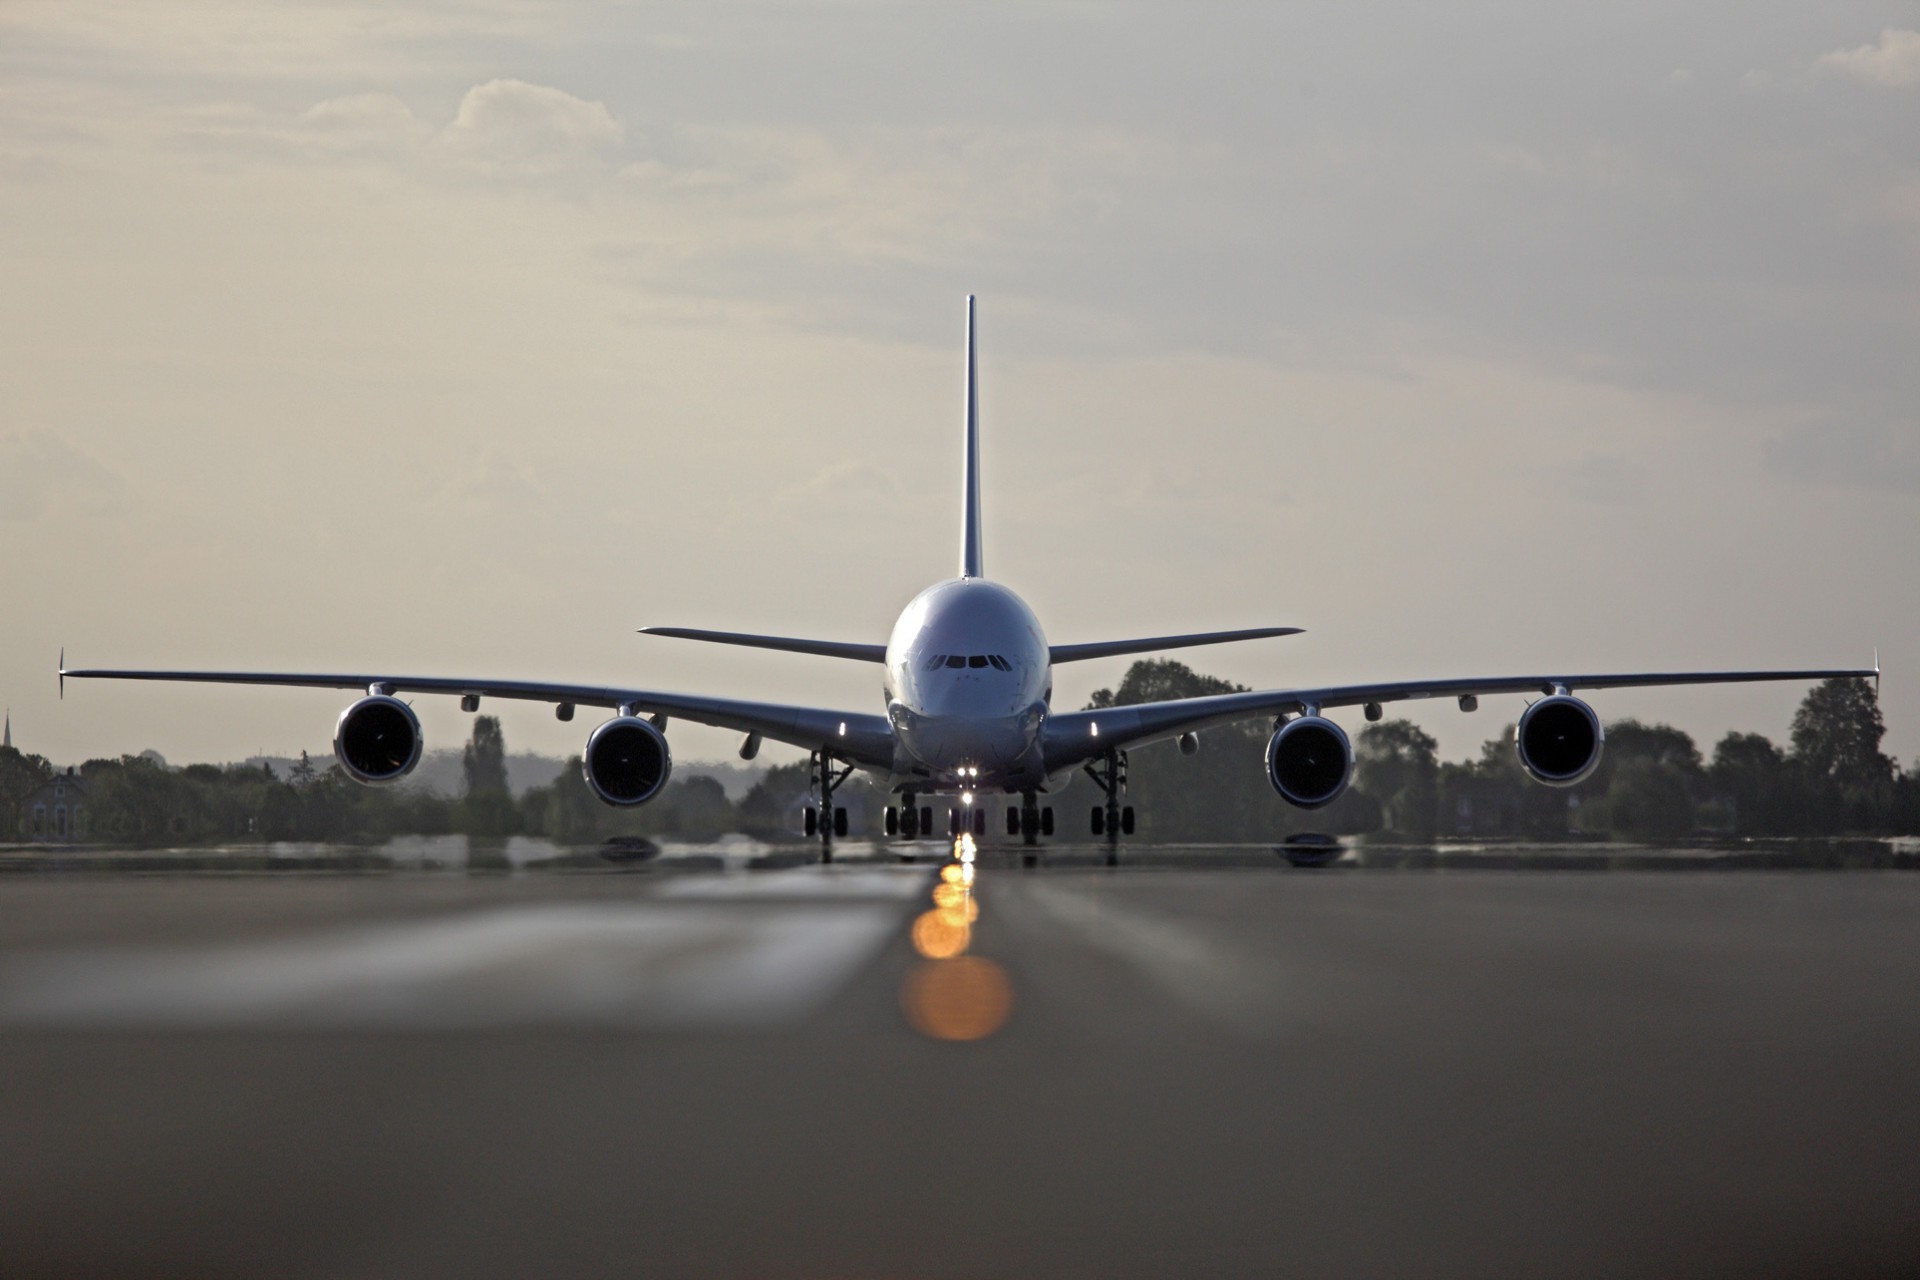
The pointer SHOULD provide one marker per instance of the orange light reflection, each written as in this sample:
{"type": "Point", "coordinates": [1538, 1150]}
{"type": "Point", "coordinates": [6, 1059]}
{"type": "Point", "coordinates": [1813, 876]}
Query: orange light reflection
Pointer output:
{"type": "Point", "coordinates": [962, 999]}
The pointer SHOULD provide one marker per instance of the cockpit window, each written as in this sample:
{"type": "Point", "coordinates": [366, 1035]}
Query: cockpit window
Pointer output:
{"type": "Point", "coordinates": [957, 660]}
{"type": "Point", "coordinates": [936, 662]}
{"type": "Point", "coordinates": [999, 662]}
{"type": "Point", "coordinates": [977, 660]}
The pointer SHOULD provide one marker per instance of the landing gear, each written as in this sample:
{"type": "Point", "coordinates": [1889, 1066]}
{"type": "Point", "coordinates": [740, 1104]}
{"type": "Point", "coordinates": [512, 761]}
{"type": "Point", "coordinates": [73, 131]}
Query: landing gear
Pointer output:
{"type": "Point", "coordinates": [1111, 820]}
{"type": "Point", "coordinates": [830, 820]}
{"type": "Point", "coordinates": [909, 818]}
{"type": "Point", "coordinates": [1030, 822]}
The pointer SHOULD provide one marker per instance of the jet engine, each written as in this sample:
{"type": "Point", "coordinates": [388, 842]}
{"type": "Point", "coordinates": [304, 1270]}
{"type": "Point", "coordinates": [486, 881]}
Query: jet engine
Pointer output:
{"type": "Point", "coordinates": [1559, 740]}
{"type": "Point", "coordinates": [1309, 762]}
{"type": "Point", "coordinates": [377, 739]}
{"type": "Point", "coordinates": [626, 761]}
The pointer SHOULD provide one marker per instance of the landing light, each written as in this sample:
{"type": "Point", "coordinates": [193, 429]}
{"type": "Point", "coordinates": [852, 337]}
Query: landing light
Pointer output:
{"type": "Point", "coordinates": [966, 797]}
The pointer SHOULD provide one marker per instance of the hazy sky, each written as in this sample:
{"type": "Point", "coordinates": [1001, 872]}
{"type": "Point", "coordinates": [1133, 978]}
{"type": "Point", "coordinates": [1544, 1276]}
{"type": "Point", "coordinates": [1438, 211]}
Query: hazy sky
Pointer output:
{"type": "Point", "coordinates": [465, 338]}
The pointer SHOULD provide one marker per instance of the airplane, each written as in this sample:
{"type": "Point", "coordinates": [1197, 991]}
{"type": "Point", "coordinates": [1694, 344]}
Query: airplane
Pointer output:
{"type": "Point", "coordinates": [967, 684]}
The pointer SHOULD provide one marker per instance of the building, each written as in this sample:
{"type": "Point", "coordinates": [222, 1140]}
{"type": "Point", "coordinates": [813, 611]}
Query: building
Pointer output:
{"type": "Point", "coordinates": [56, 813]}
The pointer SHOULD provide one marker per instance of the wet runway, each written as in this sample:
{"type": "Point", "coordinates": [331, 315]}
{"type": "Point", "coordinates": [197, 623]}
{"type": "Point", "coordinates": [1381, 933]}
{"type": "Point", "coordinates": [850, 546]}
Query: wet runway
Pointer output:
{"type": "Point", "coordinates": [733, 1062]}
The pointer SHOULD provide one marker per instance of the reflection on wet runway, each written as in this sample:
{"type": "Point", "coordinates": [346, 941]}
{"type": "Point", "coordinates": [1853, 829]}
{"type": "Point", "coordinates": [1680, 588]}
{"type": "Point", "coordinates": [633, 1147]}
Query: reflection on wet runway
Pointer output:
{"type": "Point", "coordinates": [952, 995]}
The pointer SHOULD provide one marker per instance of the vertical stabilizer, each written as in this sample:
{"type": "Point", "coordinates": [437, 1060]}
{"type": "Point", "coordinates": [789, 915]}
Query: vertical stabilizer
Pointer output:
{"type": "Point", "coordinates": [970, 559]}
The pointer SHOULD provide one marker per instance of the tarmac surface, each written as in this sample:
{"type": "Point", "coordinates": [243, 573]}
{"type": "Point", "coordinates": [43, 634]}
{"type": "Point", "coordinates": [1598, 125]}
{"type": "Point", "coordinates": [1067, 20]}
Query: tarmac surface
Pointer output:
{"type": "Point", "coordinates": [1590, 1061]}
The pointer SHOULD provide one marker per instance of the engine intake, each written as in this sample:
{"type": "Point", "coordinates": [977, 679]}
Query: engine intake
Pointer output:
{"type": "Point", "coordinates": [1310, 762]}
{"type": "Point", "coordinates": [1559, 740]}
{"type": "Point", "coordinates": [626, 761]}
{"type": "Point", "coordinates": [377, 739]}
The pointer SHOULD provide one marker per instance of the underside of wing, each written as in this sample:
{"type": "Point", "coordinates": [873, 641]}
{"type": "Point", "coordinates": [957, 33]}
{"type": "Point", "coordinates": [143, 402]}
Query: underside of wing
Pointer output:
{"type": "Point", "coordinates": [1153, 644]}
{"type": "Point", "coordinates": [1076, 736]}
{"type": "Point", "coordinates": [785, 644]}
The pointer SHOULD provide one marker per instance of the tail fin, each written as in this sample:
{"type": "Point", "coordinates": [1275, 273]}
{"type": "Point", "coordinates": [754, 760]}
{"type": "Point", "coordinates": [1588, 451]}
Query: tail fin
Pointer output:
{"type": "Point", "coordinates": [970, 560]}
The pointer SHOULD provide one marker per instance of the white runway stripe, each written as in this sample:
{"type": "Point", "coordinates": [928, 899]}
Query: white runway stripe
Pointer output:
{"type": "Point", "coordinates": [873, 884]}
{"type": "Point", "coordinates": [640, 965]}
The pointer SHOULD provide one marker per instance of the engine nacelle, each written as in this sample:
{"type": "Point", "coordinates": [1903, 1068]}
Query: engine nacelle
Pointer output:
{"type": "Point", "coordinates": [1310, 762]}
{"type": "Point", "coordinates": [626, 761]}
{"type": "Point", "coordinates": [377, 739]}
{"type": "Point", "coordinates": [1559, 740]}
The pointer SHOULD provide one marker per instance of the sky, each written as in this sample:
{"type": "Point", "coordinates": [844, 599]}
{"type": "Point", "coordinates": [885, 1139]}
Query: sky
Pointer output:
{"type": "Point", "coordinates": [464, 338]}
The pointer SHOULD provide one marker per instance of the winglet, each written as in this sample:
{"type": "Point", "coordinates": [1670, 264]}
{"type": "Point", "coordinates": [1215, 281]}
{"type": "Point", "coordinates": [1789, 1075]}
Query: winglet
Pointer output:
{"type": "Point", "coordinates": [1876, 672]}
{"type": "Point", "coordinates": [970, 558]}
{"type": "Point", "coordinates": [63, 673]}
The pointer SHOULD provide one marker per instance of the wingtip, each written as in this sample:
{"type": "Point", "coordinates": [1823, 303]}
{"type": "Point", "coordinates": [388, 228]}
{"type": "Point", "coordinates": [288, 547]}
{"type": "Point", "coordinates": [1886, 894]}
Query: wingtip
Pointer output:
{"type": "Point", "coordinates": [63, 673]}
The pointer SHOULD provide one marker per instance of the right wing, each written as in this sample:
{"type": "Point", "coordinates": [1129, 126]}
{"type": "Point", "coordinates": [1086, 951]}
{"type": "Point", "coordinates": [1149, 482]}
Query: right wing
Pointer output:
{"type": "Point", "coordinates": [861, 738]}
{"type": "Point", "coordinates": [820, 648]}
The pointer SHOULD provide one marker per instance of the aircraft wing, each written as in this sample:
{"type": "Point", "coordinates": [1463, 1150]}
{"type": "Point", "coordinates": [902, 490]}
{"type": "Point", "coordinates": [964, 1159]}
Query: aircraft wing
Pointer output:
{"type": "Point", "coordinates": [786, 644]}
{"type": "Point", "coordinates": [1074, 737]}
{"type": "Point", "coordinates": [861, 738]}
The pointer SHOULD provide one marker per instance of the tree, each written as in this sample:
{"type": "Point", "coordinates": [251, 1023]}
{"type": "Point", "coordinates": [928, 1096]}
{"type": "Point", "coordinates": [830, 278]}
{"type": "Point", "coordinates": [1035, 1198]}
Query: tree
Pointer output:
{"type": "Point", "coordinates": [1836, 747]}
{"type": "Point", "coordinates": [1649, 800]}
{"type": "Point", "coordinates": [1759, 781]}
{"type": "Point", "coordinates": [1647, 780]}
{"type": "Point", "coordinates": [1837, 732]}
{"type": "Point", "coordinates": [763, 810]}
{"type": "Point", "coordinates": [488, 809]}
{"type": "Point", "coordinates": [484, 761]}
{"type": "Point", "coordinates": [1398, 765]}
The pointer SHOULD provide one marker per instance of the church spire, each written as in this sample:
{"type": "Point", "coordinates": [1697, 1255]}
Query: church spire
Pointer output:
{"type": "Point", "coordinates": [6, 740]}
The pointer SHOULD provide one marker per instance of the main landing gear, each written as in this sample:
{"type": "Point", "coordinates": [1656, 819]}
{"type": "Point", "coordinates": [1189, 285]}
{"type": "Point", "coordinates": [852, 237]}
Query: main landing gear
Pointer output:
{"type": "Point", "coordinates": [829, 820]}
{"type": "Point", "coordinates": [908, 821]}
{"type": "Point", "coordinates": [1029, 822]}
{"type": "Point", "coordinates": [1112, 819]}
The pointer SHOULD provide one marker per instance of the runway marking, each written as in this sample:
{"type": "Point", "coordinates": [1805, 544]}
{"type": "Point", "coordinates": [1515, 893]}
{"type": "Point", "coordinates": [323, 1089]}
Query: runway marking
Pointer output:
{"type": "Point", "coordinates": [632, 965]}
{"type": "Point", "coordinates": [884, 884]}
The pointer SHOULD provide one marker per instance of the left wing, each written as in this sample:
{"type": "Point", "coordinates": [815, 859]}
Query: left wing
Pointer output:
{"type": "Point", "coordinates": [1074, 737]}
{"type": "Point", "coordinates": [1153, 644]}
{"type": "Point", "coordinates": [861, 738]}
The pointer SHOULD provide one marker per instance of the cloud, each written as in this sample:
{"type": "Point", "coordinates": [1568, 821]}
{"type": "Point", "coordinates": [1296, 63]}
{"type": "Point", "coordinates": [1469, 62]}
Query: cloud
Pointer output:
{"type": "Point", "coordinates": [42, 474]}
{"type": "Point", "coordinates": [1606, 480]}
{"type": "Point", "coordinates": [511, 120]}
{"type": "Point", "coordinates": [360, 120]}
{"type": "Point", "coordinates": [1851, 455]}
{"type": "Point", "coordinates": [1894, 62]}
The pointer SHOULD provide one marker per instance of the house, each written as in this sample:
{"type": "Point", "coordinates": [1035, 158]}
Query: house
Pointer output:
{"type": "Point", "coordinates": [56, 813]}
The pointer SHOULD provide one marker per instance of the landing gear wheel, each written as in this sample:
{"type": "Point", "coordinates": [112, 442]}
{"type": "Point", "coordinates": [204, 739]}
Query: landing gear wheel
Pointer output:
{"type": "Point", "coordinates": [1099, 820]}
{"type": "Point", "coordinates": [812, 822]}
{"type": "Point", "coordinates": [1126, 821]}
{"type": "Point", "coordinates": [1046, 821]}
{"type": "Point", "coordinates": [1013, 822]}
{"type": "Point", "coordinates": [893, 821]}
{"type": "Point", "coordinates": [839, 821]}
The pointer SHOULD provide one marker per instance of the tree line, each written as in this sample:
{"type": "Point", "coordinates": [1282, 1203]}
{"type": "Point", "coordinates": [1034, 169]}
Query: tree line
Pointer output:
{"type": "Point", "coordinates": [1652, 783]}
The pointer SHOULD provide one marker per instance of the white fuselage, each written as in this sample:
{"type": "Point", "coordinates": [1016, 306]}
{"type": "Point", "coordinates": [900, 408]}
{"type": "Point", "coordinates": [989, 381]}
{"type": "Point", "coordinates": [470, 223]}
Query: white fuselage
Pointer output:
{"type": "Point", "coordinates": [967, 686]}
